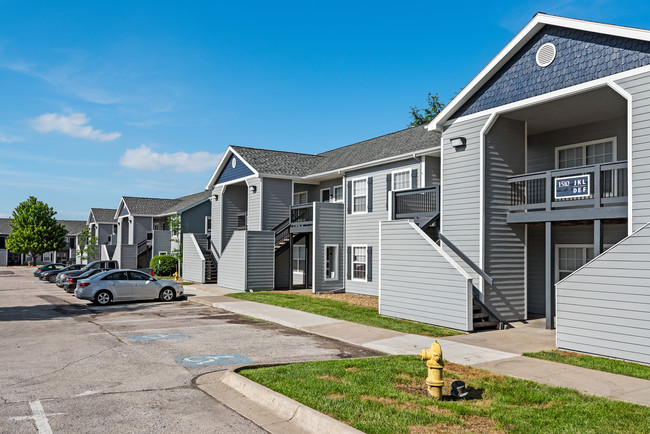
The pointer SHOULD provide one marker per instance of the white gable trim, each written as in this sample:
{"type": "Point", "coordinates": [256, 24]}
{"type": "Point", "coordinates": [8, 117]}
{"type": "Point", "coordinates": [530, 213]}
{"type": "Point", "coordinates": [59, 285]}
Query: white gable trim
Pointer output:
{"type": "Point", "coordinates": [525, 35]}
{"type": "Point", "coordinates": [119, 208]}
{"type": "Point", "coordinates": [222, 165]}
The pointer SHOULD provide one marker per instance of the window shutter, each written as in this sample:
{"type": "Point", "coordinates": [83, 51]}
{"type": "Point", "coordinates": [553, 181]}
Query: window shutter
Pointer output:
{"type": "Point", "coordinates": [369, 264]}
{"type": "Point", "coordinates": [369, 194]}
{"type": "Point", "coordinates": [414, 178]}
{"type": "Point", "coordinates": [389, 186]}
{"type": "Point", "coordinates": [349, 263]}
{"type": "Point", "coordinates": [349, 197]}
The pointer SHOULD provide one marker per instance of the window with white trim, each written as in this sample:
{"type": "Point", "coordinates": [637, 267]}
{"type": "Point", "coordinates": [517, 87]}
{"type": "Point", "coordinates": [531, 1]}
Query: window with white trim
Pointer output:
{"type": "Point", "coordinates": [338, 194]}
{"type": "Point", "coordinates": [331, 262]}
{"type": "Point", "coordinates": [299, 256]}
{"type": "Point", "coordinates": [360, 195]}
{"type": "Point", "coordinates": [325, 195]}
{"type": "Point", "coordinates": [402, 180]}
{"type": "Point", "coordinates": [300, 198]}
{"type": "Point", "coordinates": [585, 154]}
{"type": "Point", "coordinates": [571, 257]}
{"type": "Point", "coordinates": [359, 262]}
{"type": "Point", "coordinates": [208, 224]}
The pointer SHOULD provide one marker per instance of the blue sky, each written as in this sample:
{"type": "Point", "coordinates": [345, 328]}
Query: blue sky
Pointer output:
{"type": "Point", "coordinates": [138, 98]}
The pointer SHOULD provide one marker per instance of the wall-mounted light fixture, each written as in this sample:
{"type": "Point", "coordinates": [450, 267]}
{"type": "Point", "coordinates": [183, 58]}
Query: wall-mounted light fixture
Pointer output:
{"type": "Point", "coordinates": [215, 197]}
{"type": "Point", "coordinates": [459, 143]}
{"type": "Point", "coordinates": [253, 188]}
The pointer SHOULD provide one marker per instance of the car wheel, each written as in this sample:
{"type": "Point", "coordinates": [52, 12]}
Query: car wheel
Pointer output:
{"type": "Point", "coordinates": [167, 294]}
{"type": "Point", "coordinates": [52, 278]}
{"type": "Point", "coordinates": [102, 298]}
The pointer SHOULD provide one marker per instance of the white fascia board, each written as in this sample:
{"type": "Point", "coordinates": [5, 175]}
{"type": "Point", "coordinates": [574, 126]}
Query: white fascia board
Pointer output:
{"type": "Point", "coordinates": [224, 160]}
{"type": "Point", "coordinates": [376, 162]}
{"type": "Point", "coordinates": [530, 30]}
{"type": "Point", "coordinates": [89, 216]}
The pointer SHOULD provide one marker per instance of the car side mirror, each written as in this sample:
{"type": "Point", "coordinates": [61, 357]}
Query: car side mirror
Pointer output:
{"type": "Point", "coordinates": [152, 279]}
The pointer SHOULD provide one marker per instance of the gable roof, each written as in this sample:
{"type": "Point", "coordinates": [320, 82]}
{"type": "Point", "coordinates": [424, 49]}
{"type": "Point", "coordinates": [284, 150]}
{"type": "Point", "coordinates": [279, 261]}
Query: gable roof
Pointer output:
{"type": "Point", "coordinates": [517, 43]}
{"type": "Point", "coordinates": [297, 165]}
{"type": "Point", "coordinates": [73, 226]}
{"type": "Point", "coordinates": [103, 215]}
{"type": "Point", "coordinates": [152, 206]}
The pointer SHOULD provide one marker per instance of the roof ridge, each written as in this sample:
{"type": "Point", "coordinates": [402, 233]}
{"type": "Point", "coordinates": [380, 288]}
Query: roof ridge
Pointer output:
{"type": "Point", "coordinates": [275, 150]}
{"type": "Point", "coordinates": [372, 138]}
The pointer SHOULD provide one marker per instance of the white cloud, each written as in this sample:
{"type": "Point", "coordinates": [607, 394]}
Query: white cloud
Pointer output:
{"type": "Point", "coordinates": [74, 125]}
{"type": "Point", "coordinates": [146, 159]}
{"type": "Point", "coordinates": [4, 139]}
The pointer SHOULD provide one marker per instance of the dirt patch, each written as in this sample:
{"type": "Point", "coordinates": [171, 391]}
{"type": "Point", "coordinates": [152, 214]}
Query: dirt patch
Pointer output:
{"type": "Point", "coordinates": [352, 369]}
{"type": "Point", "coordinates": [329, 378]}
{"type": "Point", "coordinates": [335, 396]}
{"type": "Point", "coordinates": [471, 424]}
{"type": "Point", "coordinates": [403, 405]}
{"type": "Point", "coordinates": [352, 299]}
{"type": "Point", "coordinates": [467, 372]}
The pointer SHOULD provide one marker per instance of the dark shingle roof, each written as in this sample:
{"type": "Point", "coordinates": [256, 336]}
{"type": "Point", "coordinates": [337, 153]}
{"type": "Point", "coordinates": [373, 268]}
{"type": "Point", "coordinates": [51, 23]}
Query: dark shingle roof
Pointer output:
{"type": "Point", "coordinates": [103, 215]}
{"type": "Point", "coordinates": [294, 164]}
{"type": "Point", "coordinates": [73, 226]}
{"type": "Point", "coordinates": [151, 206]}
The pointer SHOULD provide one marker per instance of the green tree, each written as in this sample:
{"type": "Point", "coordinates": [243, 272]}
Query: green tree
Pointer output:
{"type": "Point", "coordinates": [424, 116]}
{"type": "Point", "coordinates": [87, 245]}
{"type": "Point", "coordinates": [34, 230]}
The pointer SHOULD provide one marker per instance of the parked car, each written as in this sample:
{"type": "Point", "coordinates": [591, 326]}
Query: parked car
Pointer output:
{"type": "Point", "coordinates": [70, 283]}
{"type": "Point", "coordinates": [101, 265]}
{"type": "Point", "coordinates": [47, 267]}
{"type": "Point", "coordinates": [50, 275]}
{"type": "Point", "coordinates": [119, 285]}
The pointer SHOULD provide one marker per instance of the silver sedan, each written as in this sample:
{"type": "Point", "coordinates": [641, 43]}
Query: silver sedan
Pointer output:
{"type": "Point", "coordinates": [121, 285]}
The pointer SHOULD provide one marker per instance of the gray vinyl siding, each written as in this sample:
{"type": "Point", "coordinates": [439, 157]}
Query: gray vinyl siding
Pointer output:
{"type": "Point", "coordinates": [260, 256]}
{"type": "Point", "coordinates": [504, 244]}
{"type": "Point", "coordinates": [604, 307]}
{"type": "Point", "coordinates": [104, 230]}
{"type": "Point", "coordinates": [536, 263]}
{"type": "Point", "coordinates": [328, 230]}
{"type": "Point", "coordinates": [639, 87]}
{"type": "Point", "coordinates": [255, 204]}
{"type": "Point", "coordinates": [330, 183]}
{"type": "Point", "coordinates": [217, 223]}
{"type": "Point", "coordinates": [161, 242]}
{"type": "Point", "coordinates": [141, 226]}
{"type": "Point", "coordinates": [282, 270]}
{"type": "Point", "coordinates": [123, 228]}
{"type": "Point", "coordinates": [235, 200]}
{"type": "Point", "coordinates": [276, 202]}
{"type": "Point", "coordinates": [541, 147]}
{"type": "Point", "coordinates": [418, 283]}
{"type": "Point", "coordinates": [232, 265]}
{"type": "Point", "coordinates": [193, 219]}
{"type": "Point", "coordinates": [460, 221]}
{"type": "Point", "coordinates": [431, 171]}
{"type": "Point", "coordinates": [363, 228]}
{"type": "Point", "coordinates": [128, 256]}
{"type": "Point", "coordinates": [3, 257]}
{"type": "Point", "coordinates": [313, 191]}
{"type": "Point", "coordinates": [192, 260]}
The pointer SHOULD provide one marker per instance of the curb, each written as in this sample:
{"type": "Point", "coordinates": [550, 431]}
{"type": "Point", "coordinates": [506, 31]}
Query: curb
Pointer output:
{"type": "Point", "coordinates": [268, 409]}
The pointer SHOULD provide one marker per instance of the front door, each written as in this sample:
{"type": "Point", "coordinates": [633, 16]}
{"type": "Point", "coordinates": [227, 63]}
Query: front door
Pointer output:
{"type": "Point", "coordinates": [325, 195]}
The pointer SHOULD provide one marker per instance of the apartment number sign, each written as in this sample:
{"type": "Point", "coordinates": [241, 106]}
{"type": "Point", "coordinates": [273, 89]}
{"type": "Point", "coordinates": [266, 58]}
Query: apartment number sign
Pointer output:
{"type": "Point", "coordinates": [572, 187]}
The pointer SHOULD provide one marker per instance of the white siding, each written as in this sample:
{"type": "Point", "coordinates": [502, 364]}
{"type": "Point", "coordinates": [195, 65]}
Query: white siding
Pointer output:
{"type": "Point", "coordinates": [232, 266]}
{"type": "Point", "coordinates": [419, 282]}
{"type": "Point", "coordinates": [254, 204]}
{"type": "Point", "coordinates": [604, 307]}
{"type": "Point", "coordinates": [193, 260]}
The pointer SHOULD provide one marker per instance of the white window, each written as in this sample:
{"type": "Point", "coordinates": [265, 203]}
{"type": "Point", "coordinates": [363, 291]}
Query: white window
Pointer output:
{"type": "Point", "coordinates": [300, 197]}
{"type": "Point", "coordinates": [402, 180]}
{"type": "Point", "coordinates": [299, 253]}
{"type": "Point", "coordinates": [585, 154]}
{"type": "Point", "coordinates": [568, 258]}
{"type": "Point", "coordinates": [359, 262]}
{"type": "Point", "coordinates": [331, 262]}
{"type": "Point", "coordinates": [338, 194]}
{"type": "Point", "coordinates": [360, 195]}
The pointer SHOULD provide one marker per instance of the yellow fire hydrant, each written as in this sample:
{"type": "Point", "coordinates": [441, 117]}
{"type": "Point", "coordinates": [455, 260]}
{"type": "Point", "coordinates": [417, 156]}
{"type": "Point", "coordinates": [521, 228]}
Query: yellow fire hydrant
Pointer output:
{"type": "Point", "coordinates": [175, 275]}
{"type": "Point", "coordinates": [433, 356]}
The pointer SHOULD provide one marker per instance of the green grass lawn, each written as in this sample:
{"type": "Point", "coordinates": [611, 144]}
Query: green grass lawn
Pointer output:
{"type": "Point", "coordinates": [592, 362]}
{"type": "Point", "coordinates": [344, 311]}
{"type": "Point", "coordinates": [388, 395]}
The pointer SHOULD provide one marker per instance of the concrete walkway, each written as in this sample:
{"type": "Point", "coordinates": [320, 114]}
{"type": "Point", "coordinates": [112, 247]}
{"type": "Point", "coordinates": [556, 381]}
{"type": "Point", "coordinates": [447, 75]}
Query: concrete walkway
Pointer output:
{"type": "Point", "coordinates": [497, 351]}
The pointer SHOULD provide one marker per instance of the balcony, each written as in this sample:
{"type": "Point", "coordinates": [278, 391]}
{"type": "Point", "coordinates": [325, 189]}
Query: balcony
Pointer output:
{"type": "Point", "coordinates": [602, 194]}
{"type": "Point", "coordinates": [302, 218]}
{"type": "Point", "coordinates": [416, 203]}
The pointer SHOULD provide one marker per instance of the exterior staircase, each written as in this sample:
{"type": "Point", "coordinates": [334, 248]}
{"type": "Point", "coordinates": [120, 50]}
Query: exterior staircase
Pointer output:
{"type": "Point", "coordinates": [210, 262]}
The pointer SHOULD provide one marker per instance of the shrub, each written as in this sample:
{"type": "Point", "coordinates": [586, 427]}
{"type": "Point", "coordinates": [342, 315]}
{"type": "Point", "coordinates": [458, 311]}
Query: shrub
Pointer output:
{"type": "Point", "coordinates": [167, 265]}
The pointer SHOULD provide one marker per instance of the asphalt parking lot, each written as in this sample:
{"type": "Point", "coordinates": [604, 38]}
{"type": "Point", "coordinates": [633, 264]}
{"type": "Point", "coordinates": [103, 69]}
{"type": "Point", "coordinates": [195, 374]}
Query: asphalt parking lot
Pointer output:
{"type": "Point", "coordinates": [69, 366]}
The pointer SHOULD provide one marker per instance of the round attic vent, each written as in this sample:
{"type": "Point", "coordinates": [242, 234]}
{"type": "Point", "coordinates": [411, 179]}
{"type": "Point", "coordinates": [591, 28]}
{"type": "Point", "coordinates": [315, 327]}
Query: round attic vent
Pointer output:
{"type": "Point", "coordinates": [546, 54]}
{"type": "Point", "coordinates": [234, 163]}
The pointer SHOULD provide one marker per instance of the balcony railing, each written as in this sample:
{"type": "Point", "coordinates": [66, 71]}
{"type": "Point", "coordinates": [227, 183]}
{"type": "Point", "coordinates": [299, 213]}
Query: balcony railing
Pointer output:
{"type": "Point", "coordinates": [419, 202]}
{"type": "Point", "coordinates": [535, 191]}
{"type": "Point", "coordinates": [302, 217]}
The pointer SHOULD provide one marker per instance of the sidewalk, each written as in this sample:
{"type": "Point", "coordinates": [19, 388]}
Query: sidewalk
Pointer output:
{"type": "Point", "coordinates": [497, 351]}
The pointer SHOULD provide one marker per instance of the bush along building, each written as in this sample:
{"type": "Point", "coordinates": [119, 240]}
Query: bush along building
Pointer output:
{"type": "Point", "coordinates": [143, 230]}
{"type": "Point", "coordinates": [528, 195]}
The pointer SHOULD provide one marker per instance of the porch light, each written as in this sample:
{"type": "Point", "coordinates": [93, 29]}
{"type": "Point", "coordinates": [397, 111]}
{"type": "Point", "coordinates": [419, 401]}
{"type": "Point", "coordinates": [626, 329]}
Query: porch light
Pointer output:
{"type": "Point", "coordinates": [215, 197]}
{"type": "Point", "coordinates": [459, 143]}
{"type": "Point", "coordinates": [253, 188]}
